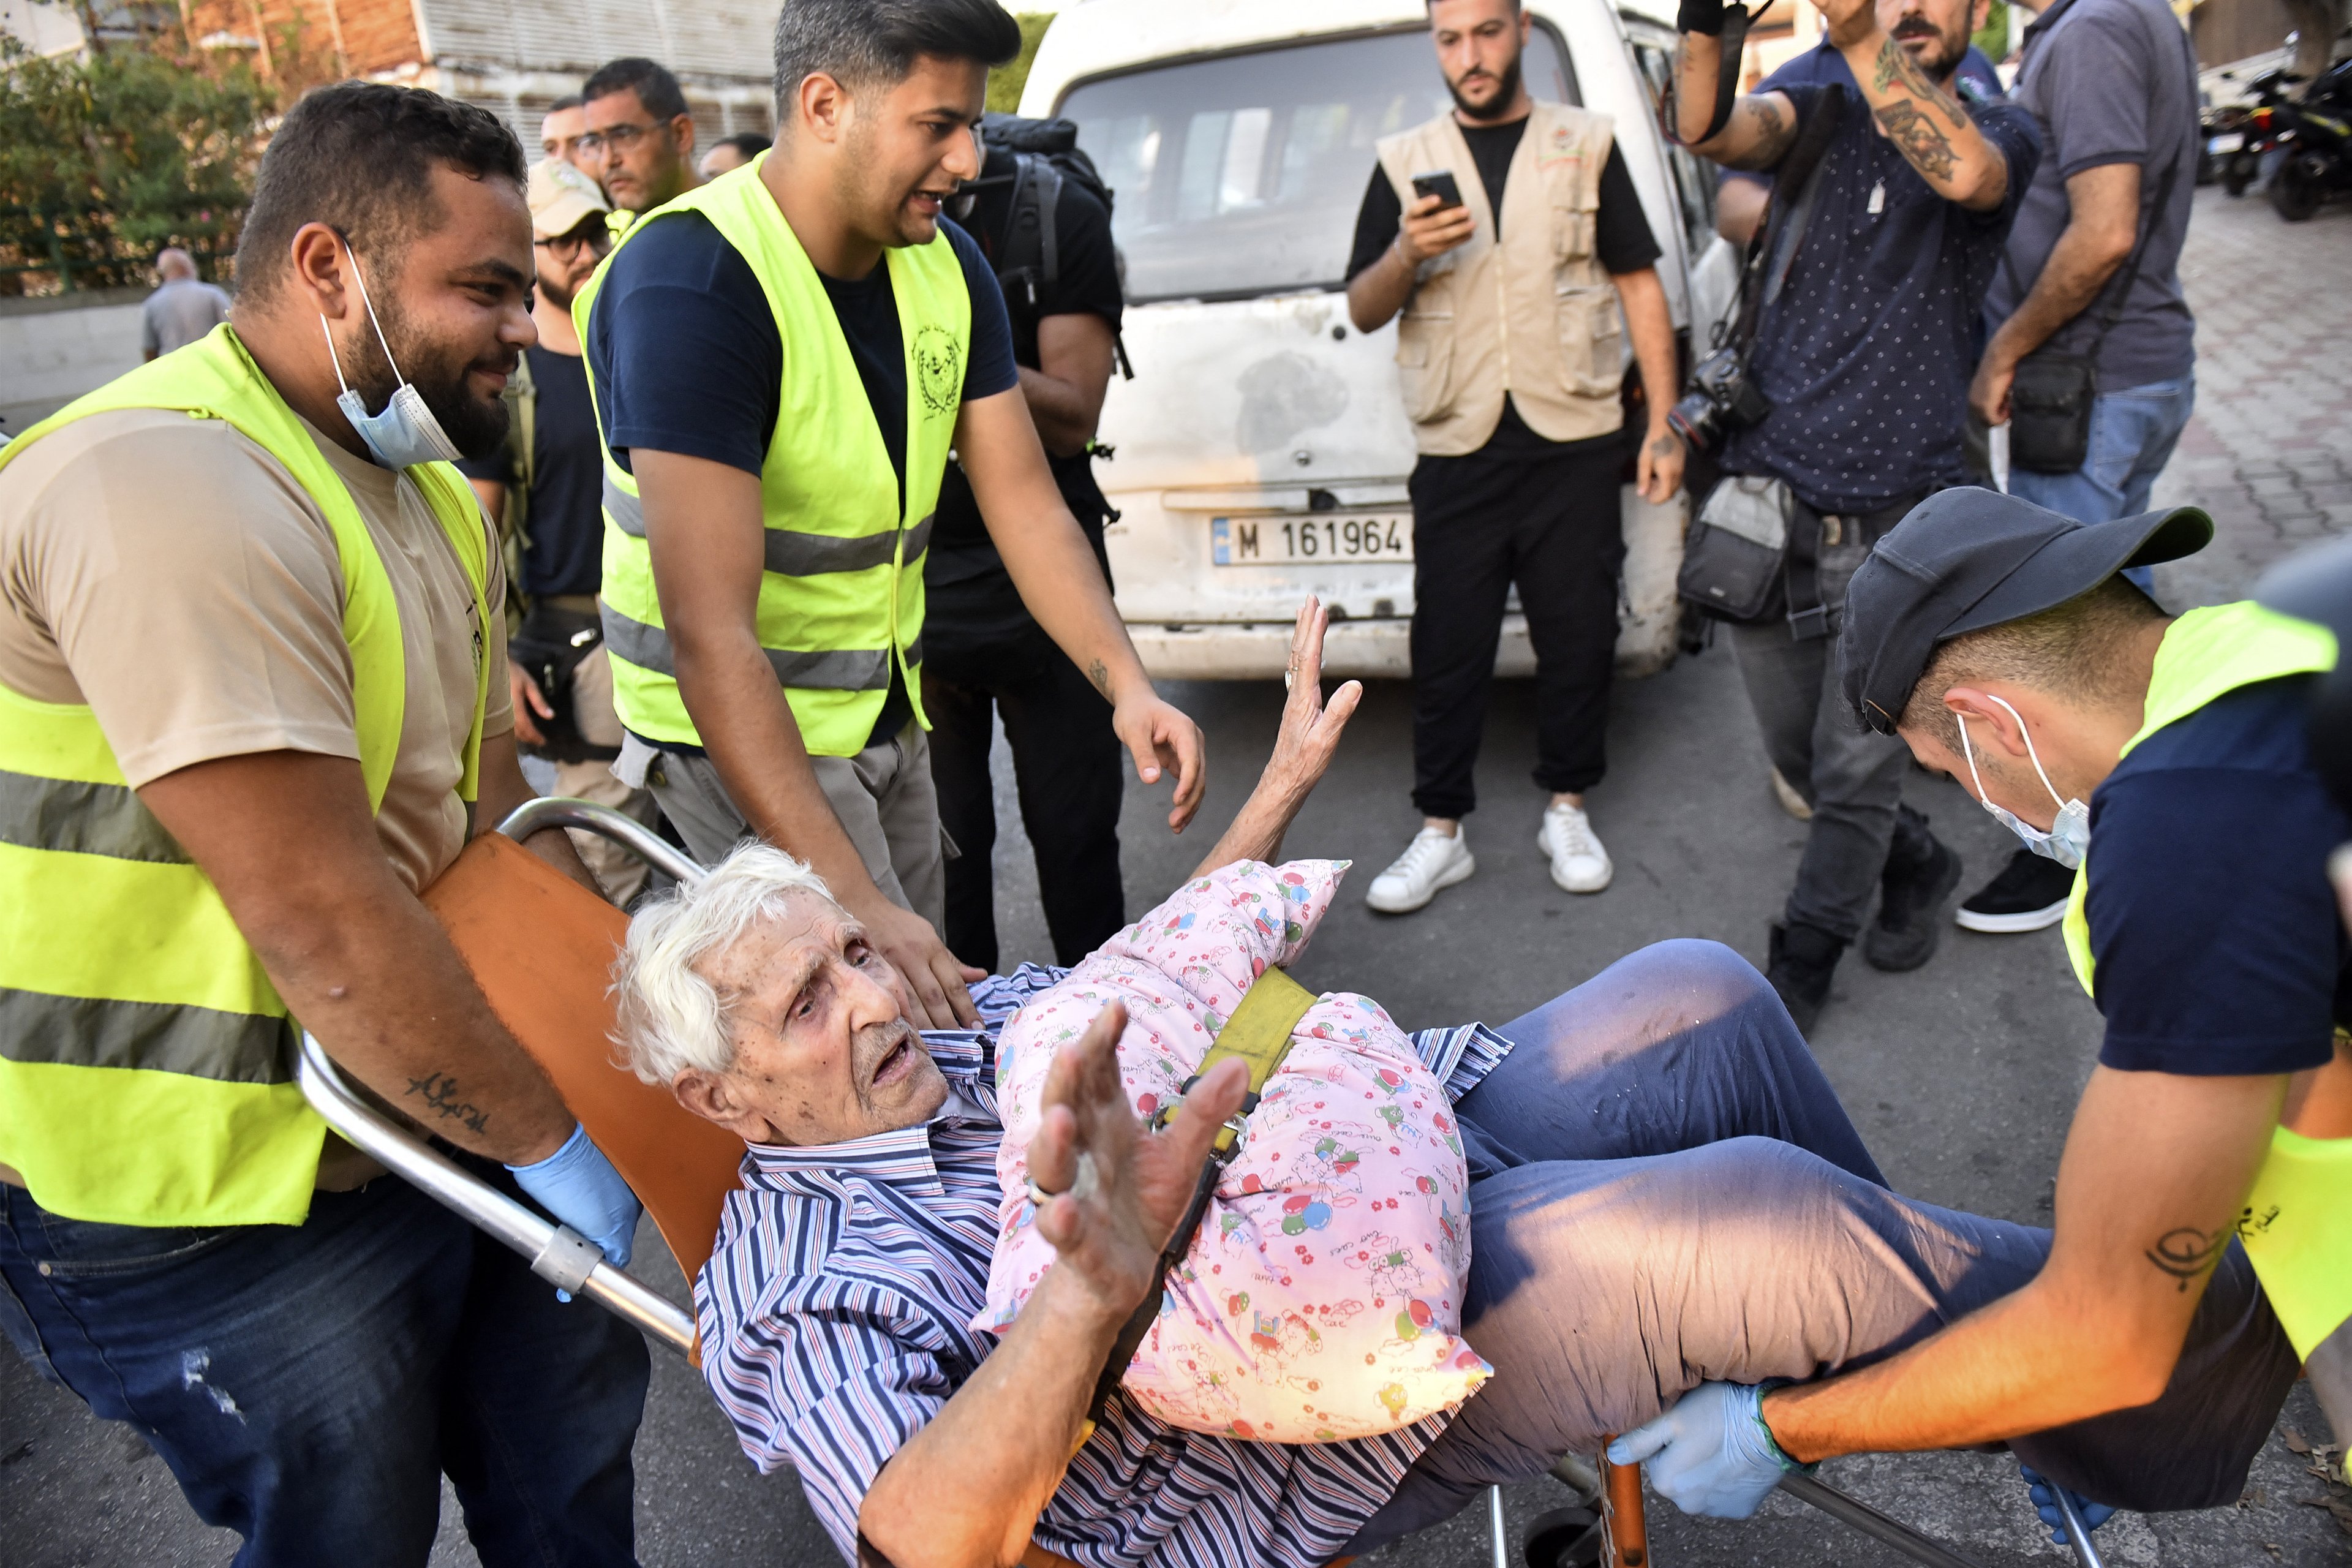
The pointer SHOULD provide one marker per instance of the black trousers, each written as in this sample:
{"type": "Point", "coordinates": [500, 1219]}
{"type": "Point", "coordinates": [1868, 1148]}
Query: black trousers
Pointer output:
{"type": "Point", "coordinates": [1550, 523]}
{"type": "Point", "coordinates": [1065, 764]}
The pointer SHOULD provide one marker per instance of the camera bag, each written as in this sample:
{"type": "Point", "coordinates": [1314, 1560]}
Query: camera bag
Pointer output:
{"type": "Point", "coordinates": [2049, 400]}
{"type": "Point", "coordinates": [1738, 551]}
{"type": "Point", "coordinates": [550, 646]}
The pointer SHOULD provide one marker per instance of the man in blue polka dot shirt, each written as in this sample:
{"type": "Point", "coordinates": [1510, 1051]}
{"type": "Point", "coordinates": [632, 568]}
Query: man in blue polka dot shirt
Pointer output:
{"type": "Point", "coordinates": [1864, 351]}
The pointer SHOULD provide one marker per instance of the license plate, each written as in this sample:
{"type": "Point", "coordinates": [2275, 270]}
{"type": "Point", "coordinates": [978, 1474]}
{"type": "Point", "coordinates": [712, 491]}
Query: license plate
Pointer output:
{"type": "Point", "coordinates": [1287, 540]}
{"type": "Point", "coordinates": [2229, 142]}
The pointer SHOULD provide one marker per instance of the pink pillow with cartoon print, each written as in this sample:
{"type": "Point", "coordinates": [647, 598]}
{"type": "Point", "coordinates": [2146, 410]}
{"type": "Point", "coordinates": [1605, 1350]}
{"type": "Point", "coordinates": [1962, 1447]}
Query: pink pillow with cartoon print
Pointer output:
{"type": "Point", "coordinates": [1322, 1297]}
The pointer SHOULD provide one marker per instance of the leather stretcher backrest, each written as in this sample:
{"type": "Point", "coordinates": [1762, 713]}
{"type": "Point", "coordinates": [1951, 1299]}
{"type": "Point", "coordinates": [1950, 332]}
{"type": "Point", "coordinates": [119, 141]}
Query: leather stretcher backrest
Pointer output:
{"type": "Point", "coordinates": [542, 947]}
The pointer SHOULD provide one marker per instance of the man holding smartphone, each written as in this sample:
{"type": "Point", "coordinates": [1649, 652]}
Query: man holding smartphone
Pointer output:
{"type": "Point", "coordinates": [1508, 234]}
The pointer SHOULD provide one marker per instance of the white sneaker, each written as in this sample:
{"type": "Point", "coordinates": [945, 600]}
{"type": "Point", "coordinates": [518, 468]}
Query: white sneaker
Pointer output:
{"type": "Point", "coordinates": [1433, 859]}
{"type": "Point", "coordinates": [1579, 864]}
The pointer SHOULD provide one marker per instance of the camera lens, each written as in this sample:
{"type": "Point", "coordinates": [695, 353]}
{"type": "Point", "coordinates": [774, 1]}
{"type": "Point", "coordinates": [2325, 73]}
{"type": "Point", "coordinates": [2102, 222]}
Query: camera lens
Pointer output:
{"type": "Point", "coordinates": [1697, 421]}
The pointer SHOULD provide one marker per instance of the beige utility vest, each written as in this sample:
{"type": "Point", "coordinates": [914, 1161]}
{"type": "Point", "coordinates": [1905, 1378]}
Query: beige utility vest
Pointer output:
{"type": "Point", "coordinates": [1535, 316]}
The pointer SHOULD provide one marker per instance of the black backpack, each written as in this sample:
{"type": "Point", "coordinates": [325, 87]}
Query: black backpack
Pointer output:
{"type": "Point", "coordinates": [1046, 155]}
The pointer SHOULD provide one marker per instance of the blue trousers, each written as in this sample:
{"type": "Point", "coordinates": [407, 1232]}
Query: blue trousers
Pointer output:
{"type": "Point", "coordinates": [310, 1385]}
{"type": "Point", "coordinates": [2133, 432]}
{"type": "Point", "coordinates": [1665, 1191]}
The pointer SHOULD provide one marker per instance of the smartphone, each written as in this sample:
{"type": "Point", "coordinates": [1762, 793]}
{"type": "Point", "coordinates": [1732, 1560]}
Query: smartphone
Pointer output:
{"type": "Point", "coordinates": [1440, 184]}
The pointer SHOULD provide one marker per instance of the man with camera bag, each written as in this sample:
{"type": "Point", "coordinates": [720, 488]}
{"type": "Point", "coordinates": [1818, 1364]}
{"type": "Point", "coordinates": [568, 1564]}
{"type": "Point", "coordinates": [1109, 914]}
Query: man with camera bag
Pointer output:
{"type": "Point", "coordinates": [2093, 355]}
{"type": "Point", "coordinates": [1835, 409]}
{"type": "Point", "coordinates": [1508, 234]}
{"type": "Point", "coordinates": [542, 487]}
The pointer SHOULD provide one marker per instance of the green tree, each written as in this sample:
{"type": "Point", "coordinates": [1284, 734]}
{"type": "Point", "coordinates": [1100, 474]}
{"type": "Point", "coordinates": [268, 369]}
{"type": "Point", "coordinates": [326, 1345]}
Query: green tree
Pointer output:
{"type": "Point", "coordinates": [1005, 83]}
{"type": "Point", "coordinates": [105, 159]}
{"type": "Point", "coordinates": [1993, 37]}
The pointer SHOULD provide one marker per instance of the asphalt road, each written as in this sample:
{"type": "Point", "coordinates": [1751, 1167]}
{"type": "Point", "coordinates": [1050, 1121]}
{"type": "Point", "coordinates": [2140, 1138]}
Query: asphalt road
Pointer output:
{"type": "Point", "coordinates": [1961, 1076]}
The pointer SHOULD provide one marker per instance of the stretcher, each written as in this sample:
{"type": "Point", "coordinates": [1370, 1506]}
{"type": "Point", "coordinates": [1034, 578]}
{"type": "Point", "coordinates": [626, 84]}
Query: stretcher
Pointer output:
{"type": "Point", "coordinates": [542, 948]}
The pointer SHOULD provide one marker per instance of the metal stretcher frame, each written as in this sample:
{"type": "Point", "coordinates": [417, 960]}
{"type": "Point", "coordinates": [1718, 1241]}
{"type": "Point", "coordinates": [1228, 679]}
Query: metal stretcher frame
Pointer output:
{"type": "Point", "coordinates": [571, 1262]}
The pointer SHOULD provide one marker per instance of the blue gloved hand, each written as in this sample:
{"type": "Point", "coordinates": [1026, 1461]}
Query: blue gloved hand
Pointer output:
{"type": "Point", "coordinates": [578, 1186]}
{"type": "Point", "coordinates": [2094, 1514]}
{"type": "Point", "coordinates": [1711, 1454]}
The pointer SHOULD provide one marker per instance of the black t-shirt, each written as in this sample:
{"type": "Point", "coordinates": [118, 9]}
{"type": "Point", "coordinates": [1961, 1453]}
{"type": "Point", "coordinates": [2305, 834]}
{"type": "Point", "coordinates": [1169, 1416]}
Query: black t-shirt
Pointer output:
{"type": "Point", "coordinates": [563, 522]}
{"type": "Point", "coordinates": [971, 601]}
{"type": "Point", "coordinates": [2218, 948]}
{"type": "Point", "coordinates": [688, 359]}
{"type": "Point", "coordinates": [1622, 240]}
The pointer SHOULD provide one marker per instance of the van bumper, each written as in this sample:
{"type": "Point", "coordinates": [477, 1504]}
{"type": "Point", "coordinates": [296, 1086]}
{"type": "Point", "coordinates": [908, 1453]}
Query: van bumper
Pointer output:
{"type": "Point", "coordinates": [1260, 650]}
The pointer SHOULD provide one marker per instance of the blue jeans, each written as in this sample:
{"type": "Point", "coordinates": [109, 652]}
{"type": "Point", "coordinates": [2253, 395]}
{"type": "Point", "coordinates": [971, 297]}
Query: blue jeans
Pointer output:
{"type": "Point", "coordinates": [310, 1385]}
{"type": "Point", "coordinates": [1665, 1191]}
{"type": "Point", "coordinates": [2133, 433]}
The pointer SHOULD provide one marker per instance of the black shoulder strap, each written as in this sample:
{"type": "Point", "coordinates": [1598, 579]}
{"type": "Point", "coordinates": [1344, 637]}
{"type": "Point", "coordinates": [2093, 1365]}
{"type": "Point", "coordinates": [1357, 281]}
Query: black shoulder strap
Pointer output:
{"type": "Point", "coordinates": [1818, 115]}
{"type": "Point", "coordinates": [1734, 41]}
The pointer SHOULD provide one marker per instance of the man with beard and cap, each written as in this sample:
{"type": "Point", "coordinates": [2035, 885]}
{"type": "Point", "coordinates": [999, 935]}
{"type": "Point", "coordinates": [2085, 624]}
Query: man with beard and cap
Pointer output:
{"type": "Point", "coordinates": [541, 487]}
{"type": "Point", "coordinates": [2199, 1212]}
{"type": "Point", "coordinates": [1513, 296]}
{"type": "Point", "coordinates": [782, 361]}
{"type": "Point", "coordinates": [1860, 333]}
{"type": "Point", "coordinates": [251, 701]}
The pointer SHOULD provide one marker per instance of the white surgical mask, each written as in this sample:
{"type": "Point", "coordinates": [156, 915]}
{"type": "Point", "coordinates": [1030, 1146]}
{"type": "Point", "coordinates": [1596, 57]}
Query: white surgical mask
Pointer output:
{"type": "Point", "coordinates": [2069, 838]}
{"type": "Point", "coordinates": [406, 433]}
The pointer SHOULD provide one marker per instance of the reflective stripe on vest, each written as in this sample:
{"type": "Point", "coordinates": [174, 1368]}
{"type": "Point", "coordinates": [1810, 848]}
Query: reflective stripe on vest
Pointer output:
{"type": "Point", "coordinates": [146, 1062]}
{"type": "Point", "coordinates": [2297, 1227]}
{"type": "Point", "coordinates": [841, 596]}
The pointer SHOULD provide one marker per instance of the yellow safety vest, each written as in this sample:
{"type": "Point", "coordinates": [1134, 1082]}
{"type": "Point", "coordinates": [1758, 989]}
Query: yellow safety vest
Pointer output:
{"type": "Point", "coordinates": [841, 600]}
{"type": "Point", "coordinates": [2298, 1226]}
{"type": "Point", "coordinates": [146, 1062]}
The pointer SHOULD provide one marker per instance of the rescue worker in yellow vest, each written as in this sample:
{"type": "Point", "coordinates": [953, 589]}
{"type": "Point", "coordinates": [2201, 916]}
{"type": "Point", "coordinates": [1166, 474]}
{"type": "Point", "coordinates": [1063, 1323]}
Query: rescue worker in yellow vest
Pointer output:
{"type": "Point", "coordinates": [2201, 1222]}
{"type": "Point", "coordinates": [1511, 352]}
{"type": "Point", "coordinates": [781, 360]}
{"type": "Point", "coordinates": [252, 699]}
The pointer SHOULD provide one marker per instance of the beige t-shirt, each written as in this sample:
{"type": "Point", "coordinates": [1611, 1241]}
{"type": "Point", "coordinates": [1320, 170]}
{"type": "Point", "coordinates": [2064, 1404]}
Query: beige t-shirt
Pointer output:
{"type": "Point", "coordinates": [173, 575]}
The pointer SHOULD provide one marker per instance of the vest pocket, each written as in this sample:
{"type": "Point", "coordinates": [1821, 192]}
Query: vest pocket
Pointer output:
{"type": "Point", "coordinates": [1426, 365]}
{"type": "Point", "coordinates": [1573, 231]}
{"type": "Point", "coordinates": [1592, 337]}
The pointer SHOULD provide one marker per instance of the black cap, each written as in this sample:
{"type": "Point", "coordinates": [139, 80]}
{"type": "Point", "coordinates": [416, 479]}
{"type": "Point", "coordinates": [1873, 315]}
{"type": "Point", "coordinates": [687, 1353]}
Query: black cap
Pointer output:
{"type": "Point", "coordinates": [1967, 559]}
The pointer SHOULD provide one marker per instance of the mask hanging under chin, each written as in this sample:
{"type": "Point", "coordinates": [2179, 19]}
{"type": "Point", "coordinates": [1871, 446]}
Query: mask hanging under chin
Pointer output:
{"type": "Point", "coordinates": [404, 433]}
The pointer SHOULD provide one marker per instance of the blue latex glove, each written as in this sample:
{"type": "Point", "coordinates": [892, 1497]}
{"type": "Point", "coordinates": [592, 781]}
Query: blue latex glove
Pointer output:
{"type": "Point", "coordinates": [578, 1186]}
{"type": "Point", "coordinates": [2094, 1514]}
{"type": "Point", "coordinates": [1711, 1454]}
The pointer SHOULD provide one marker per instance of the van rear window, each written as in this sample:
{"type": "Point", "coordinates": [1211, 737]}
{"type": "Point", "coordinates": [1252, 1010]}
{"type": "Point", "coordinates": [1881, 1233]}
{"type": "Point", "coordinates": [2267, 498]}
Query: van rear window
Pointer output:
{"type": "Point", "coordinates": [1240, 175]}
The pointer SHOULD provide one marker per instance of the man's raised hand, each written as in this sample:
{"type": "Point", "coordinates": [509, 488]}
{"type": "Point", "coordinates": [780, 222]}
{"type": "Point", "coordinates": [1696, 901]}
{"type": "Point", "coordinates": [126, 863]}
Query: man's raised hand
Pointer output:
{"type": "Point", "coordinates": [1109, 1231]}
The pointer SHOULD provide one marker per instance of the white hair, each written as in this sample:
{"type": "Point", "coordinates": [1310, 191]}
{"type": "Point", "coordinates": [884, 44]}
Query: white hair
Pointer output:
{"type": "Point", "coordinates": [670, 1018]}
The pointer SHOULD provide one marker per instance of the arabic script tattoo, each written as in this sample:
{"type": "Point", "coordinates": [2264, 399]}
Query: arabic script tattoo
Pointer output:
{"type": "Point", "coordinates": [440, 1091]}
{"type": "Point", "coordinates": [2186, 1253]}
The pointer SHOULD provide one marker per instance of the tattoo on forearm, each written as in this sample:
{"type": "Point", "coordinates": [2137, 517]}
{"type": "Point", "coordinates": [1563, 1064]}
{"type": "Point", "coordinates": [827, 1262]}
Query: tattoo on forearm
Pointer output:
{"type": "Point", "coordinates": [1895, 67]}
{"type": "Point", "coordinates": [1100, 673]}
{"type": "Point", "coordinates": [439, 1092]}
{"type": "Point", "coordinates": [2187, 1253]}
{"type": "Point", "coordinates": [1916, 136]}
{"type": "Point", "coordinates": [1774, 130]}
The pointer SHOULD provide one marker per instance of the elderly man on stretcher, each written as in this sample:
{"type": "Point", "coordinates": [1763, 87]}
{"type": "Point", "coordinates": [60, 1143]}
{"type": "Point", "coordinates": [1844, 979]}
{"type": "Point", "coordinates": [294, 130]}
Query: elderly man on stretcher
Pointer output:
{"type": "Point", "coordinates": [1662, 1190]}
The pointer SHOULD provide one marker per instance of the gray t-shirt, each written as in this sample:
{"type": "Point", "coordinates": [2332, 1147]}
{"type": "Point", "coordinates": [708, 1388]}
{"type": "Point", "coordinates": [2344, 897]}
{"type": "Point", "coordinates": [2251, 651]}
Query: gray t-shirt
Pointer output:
{"type": "Point", "coordinates": [2111, 81]}
{"type": "Point", "coordinates": [179, 312]}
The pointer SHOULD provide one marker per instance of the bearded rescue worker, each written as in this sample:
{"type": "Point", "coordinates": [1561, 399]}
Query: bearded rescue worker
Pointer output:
{"type": "Point", "coordinates": [781, 360]}
{"type": "Point", "coordinates": [251, 700]}
{"type": "Point", "coordinates": [2168, 758]}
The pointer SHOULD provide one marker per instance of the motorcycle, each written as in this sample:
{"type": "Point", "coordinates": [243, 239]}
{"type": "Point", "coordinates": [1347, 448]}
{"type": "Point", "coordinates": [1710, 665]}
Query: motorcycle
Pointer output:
{"type": "Point", "coordinates": [2238, 135]}
{"type": "Point", "coordinates": [2316, 144]}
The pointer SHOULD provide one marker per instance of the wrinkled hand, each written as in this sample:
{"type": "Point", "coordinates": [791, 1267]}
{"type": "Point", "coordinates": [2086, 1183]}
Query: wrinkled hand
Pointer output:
{"type": "Point", "coordinates": [2037, 1484]}
{"type": "Point", "coordinates": [932, 982]}
{"type": "Point", "coordinates": [1108, 1236]}
{"type": "Point", "coordinates": [1158, 735]}
{"type": "Point", "coordinates": [1310, 727]}
{"type": "Point", "coordinates": [527, 700]}
{"type": "Point", "coordinates": [1426, 231]}
{"type": "Point", "coordinates": [1711, 1454]}
{"type": "Point", "coordinates": [1988, 388]}
{"type": "Point", "coordinates": [578, 1186]}
{"type": "Point", "coordinates": [1659, 472]}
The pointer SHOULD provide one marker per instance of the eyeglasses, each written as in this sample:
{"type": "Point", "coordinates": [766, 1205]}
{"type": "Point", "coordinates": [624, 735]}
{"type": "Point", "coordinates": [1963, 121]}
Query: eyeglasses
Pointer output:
{"type": "Point", "coordinates": [566, 246]}
{"type": "Point", "coordinates": [617, 137]}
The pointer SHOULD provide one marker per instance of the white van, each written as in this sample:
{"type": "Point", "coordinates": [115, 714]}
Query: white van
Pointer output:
{"type": "Point", "coordinates": [1260, 453]}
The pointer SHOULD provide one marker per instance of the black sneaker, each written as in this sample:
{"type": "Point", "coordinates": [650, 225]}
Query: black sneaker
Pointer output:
{"type": "Point", "coordinates": [1802, 959]}
{"type": "Point", "coordinates": [2030, 892]}
{"type": "Point", "coordinates": [1911, 894]}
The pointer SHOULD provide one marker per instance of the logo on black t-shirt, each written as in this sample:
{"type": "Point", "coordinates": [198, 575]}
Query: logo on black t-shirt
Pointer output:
{"type": "Point", "coordinates": [938, 369]}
